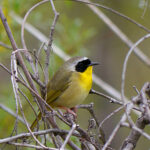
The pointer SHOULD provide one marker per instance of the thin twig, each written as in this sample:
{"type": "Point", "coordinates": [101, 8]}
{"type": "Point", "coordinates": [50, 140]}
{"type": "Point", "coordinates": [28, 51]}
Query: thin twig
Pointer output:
{"type": "Point", "coordinates": [89, 107]}
{"type": "Point", "coordinates": [100, 129]}
{"type": "Point", "coordinates": [15, 87]}
{"type": "Point", "coordinates": [22, 76]}
{"type": "Point", "coordinates": [110, 115]}
{"type": "Point", "coordinates": [18, 55]}
{"type": "Point", "coordinates": [111, 100]}
{"type": "Point", "coordinates": [18, 98]}
{"type": "Point", "coordinates": [28, 102]}
{"type": "Point", "coordinates": [30, 89]}
{"type": "Point", "coordinates": [31, 146]}
{"type": "Point", "coordinates": [24, 21]}
{"type": "Point", "coordinates": [137, 129]}
{"type": "Point", "coordinates": [28, 56]}
{"type": "Point", "coordinates": [46, 72]}
{"type": "Point", "coordinates": [124, 75]}
{"type": "Point", "coordinates": [125, 64]}
{"type": "Point", "coordinates": [37, 55]}
{"type": "Point", "coordinates": [146, 4]}
{"type": "Point", "coordinates": [16, 92]}
{"type": "Point", "coordinates": [36, 95]}
{"type": "Point", "coordinates": [27, 125]}
{"type": "Point", "coordinates": [5, 45]}
{"type": "Point", "coordinates": [68, 136]}
{"type": "Point", "coordinates": [37, 80]}
{"type": "Point", "coordinates": [131, 141]}
{"type": "Point", "coordinates": [42, 132]}
{"type": "Point", "coordinates": [8, 110]}
{"type": "Point", "coordinates": [114, 132]}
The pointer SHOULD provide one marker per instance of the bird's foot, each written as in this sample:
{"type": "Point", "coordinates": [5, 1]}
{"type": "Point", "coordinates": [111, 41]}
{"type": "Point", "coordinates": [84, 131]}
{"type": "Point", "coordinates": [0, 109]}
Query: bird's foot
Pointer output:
{"type": "Point", "coordinates": [70, 114]}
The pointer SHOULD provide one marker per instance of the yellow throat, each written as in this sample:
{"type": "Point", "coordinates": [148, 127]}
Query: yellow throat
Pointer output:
{"type": "Point", "coordinates": [85, 79]}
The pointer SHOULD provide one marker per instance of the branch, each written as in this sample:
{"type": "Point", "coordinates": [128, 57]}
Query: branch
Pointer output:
{"type": "Point", "coordinates": [114, 132]}
{"type": "Point", "coordinates": [111, 100]}
{"type": "Point", "coordinates": [125, 64]}
{"type": "Point", "coordinates": [8, 110]}
{"type": "Point", "coordinates": [28, 126]}
{"type": "Point", "coordinates": [131, 141]}
{"type": "Point", "coordinates": [4, 45]}
{"type": "Point", "coordinates": [31, 146]}
{"type": "Point", "coordinates": [50, 42]}
{"type": "Point", "coordinates": [42, 132]}
{"type": "Point", "coordinates": [141, 100]}
{"type": "Point", "coordinates": [68, 136]}
{"type": "Point", "coordinates": [19, 57]}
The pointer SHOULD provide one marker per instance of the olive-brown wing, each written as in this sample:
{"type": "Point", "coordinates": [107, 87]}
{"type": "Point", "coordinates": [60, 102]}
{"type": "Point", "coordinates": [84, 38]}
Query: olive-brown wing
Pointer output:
{"type": "Point", "coordinates": [59, 83]}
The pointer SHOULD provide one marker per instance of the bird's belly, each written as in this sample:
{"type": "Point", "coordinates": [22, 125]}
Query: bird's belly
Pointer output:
{"type": "Point", "coordinates": [73, 96]}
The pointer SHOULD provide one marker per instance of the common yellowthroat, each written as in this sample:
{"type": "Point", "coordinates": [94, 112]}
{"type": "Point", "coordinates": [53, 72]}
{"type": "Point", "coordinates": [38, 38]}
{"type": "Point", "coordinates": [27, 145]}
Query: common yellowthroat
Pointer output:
{"type": "Point", "coordinates": [70, 85]}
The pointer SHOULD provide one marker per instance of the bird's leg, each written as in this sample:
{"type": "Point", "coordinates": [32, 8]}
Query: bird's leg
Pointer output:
{"type": "Point", "coordinates": [71, 111]}
{"type": "Point", "coordinates": [74, 109]}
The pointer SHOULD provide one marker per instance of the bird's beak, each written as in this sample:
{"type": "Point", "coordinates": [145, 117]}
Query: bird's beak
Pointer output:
{"type": "Point", "coordinates": [94, 64]}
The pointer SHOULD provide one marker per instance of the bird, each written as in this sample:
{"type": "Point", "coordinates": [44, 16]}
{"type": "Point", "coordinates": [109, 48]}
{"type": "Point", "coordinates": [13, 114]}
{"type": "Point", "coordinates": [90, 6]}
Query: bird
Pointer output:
{"type": "Point", "coordinates": [70, 85]}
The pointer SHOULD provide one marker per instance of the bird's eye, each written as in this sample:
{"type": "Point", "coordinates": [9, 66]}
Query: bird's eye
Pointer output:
{"type": "Point", "coordinates": [82, 65]}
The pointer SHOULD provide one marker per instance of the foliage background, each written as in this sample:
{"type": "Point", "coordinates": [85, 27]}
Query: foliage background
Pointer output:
{"type": "Point", "coordinates": [80, 32]}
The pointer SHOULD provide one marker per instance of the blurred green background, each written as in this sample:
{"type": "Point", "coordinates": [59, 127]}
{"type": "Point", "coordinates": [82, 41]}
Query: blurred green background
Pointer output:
{"type": "Point", "coordinates": [80, 32]}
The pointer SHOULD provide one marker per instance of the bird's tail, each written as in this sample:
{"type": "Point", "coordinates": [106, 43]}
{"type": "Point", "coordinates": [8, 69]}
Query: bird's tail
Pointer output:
{"type": "Point", "coordinates": [38, 118]}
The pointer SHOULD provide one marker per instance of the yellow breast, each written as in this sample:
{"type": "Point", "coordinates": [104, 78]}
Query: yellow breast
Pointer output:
{"type": "Point", "coordinates": [78, 89]}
